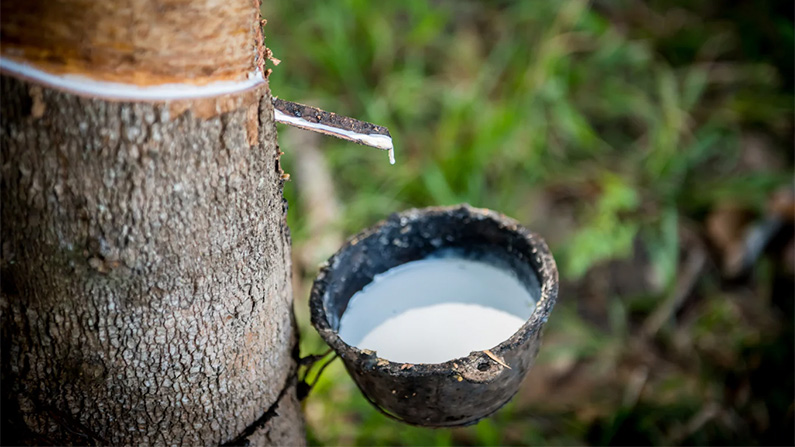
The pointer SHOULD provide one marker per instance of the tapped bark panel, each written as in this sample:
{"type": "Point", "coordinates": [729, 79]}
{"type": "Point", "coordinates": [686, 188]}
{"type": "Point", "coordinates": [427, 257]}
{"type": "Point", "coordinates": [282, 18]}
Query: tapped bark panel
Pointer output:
{"type": "Point", "coordinates": [146, 295]}
{"type": "Point", "coordinates": [142, 42]}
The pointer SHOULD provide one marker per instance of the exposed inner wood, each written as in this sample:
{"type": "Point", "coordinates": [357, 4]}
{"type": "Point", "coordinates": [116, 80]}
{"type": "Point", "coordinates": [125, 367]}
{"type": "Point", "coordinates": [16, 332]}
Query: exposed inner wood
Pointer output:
{"type": "Point", "coordinates": [142, 42]}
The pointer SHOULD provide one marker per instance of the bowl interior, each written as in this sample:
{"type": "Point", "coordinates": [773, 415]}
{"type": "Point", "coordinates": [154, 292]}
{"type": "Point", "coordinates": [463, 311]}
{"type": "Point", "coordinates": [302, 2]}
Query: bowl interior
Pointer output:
{"type": "Point", "coordinates": [453, 233]}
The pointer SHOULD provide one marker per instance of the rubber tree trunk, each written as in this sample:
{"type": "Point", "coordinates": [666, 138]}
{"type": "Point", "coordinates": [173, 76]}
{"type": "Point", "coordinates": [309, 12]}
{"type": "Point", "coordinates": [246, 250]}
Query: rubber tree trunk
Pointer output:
{"type": "Point", "coordinates": [145, 255]}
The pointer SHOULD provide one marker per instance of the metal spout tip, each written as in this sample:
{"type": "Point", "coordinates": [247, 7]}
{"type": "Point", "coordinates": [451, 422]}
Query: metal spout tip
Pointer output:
{"type": "Point", "coordinates": [328, 123]}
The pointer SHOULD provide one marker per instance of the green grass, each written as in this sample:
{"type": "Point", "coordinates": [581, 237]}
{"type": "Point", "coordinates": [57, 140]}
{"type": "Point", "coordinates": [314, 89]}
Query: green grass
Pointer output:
{"type": "Point", "coordinates": [601, 126]}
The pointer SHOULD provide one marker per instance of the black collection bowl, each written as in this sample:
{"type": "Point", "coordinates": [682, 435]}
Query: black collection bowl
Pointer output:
{"type": "Point", "coordinates": [463, 390]}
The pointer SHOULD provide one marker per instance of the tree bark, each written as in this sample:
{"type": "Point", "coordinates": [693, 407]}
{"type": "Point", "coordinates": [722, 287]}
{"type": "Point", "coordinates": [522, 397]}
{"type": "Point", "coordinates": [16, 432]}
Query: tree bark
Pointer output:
{"type": "Point", "coordinates": [146, 296]}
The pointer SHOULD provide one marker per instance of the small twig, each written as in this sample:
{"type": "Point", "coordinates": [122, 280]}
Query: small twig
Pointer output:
{"type": "Point", "coordinates": [635, 386]}
{"type": "Point", "coordinates": [495, 358]}
{"type": "Point", "coordinates": [756, 240]}
{"type": "Point", "coordinates": [321, 209]}
{"type": "Point", "coordinates": [688, 277]}
{"type": "Point", "coordinates": [709, 412]}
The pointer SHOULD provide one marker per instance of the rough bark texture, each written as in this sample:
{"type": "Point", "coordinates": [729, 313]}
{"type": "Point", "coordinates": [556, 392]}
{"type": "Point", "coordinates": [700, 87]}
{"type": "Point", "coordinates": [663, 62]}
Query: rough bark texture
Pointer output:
{"type": "Point", "coordinates": [145, 271]}
{"type": "Point", "coordinates": [134, 41]}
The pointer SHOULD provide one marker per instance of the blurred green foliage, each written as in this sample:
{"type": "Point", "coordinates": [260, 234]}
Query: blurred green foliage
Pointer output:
{"type": "Point", "coordinates": [600, 125]}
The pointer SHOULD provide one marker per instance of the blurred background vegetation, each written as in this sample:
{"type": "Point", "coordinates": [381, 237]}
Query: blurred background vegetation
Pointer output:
{"type": "Point", "coordinates": [650, 143]}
